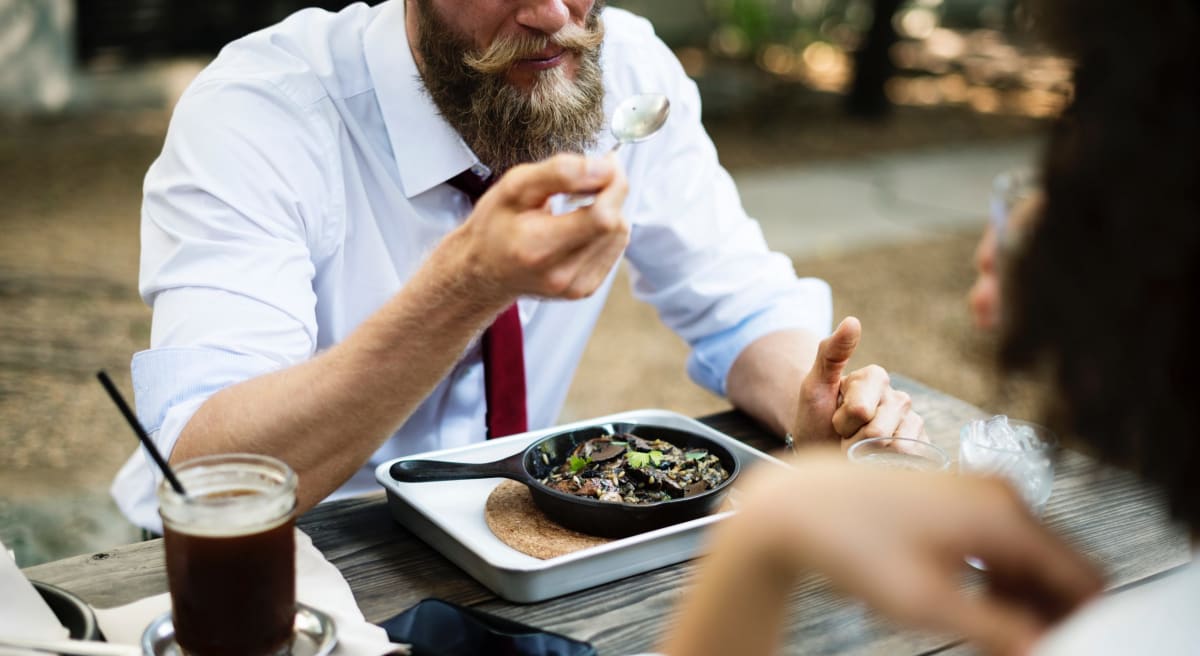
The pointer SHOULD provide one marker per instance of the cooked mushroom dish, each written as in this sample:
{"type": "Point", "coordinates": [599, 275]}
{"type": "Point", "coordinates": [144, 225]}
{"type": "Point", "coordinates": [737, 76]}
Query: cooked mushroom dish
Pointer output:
{"type": "Point", "coordinates": [627, 468]}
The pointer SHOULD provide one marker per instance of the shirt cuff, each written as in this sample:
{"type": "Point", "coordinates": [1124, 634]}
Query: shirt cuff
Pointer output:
{"type": "Point", "coordinates": [713, 356]}
{"type": "Point", "coordinates": [165, 377]}
{"type": "Point", "coordinates": [170, 384]}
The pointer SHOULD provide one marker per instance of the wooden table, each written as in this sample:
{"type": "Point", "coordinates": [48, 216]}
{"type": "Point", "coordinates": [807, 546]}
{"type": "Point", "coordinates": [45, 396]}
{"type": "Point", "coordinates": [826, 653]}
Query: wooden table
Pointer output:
{"type": "Point", "coordinates": [1118, 521]}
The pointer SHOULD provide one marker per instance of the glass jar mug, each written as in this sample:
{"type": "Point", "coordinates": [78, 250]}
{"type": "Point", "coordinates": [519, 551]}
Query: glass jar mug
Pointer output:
{"type": "Point", "coordinates": [231, 558]}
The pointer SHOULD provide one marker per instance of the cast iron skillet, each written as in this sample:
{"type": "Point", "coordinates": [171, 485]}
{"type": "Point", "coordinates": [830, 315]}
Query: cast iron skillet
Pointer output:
{"type": "Point", "coordinates": [584, 514]}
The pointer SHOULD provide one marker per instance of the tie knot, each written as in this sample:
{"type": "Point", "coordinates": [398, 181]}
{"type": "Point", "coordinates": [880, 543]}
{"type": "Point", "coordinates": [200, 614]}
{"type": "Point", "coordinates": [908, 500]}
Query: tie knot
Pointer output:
{"type": "Point", "coordinates": [470, 184]}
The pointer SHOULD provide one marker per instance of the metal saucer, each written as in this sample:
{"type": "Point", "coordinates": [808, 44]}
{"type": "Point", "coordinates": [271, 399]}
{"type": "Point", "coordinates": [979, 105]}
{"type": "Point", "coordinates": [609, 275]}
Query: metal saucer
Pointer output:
{"type": "Point", "coordinates": [314, 635]}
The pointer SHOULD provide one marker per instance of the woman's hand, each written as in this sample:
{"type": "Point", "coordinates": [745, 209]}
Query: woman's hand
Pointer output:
{"type": "Point", "coordinates": [895, 539]}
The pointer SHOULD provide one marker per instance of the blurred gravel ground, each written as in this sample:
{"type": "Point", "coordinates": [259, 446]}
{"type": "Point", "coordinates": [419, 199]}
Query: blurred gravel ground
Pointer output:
{"type": "Point", "coordinates": [69, 212]}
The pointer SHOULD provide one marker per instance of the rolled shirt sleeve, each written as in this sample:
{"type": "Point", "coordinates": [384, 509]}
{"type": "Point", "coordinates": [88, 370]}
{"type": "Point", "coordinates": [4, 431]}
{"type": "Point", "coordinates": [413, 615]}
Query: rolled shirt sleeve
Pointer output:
{"type": "Point", "coordinates": [229, 244]}
{"type": "Point", "coordinates": [262, 201]}
{"type": "Point", "coordinates": [697, 257]}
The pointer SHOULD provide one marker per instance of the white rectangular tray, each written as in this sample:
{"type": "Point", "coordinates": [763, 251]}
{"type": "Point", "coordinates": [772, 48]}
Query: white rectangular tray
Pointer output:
{"type": "Point", "coordinates": [449, 517]}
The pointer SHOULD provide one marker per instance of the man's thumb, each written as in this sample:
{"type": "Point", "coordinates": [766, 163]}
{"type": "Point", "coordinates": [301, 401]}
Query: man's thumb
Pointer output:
{"type": "Point", "coordinates": [835, 350]}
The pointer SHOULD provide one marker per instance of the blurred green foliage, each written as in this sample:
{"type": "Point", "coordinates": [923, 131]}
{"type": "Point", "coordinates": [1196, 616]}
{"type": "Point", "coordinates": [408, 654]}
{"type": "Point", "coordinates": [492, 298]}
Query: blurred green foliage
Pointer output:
{"type": "Point", "coordinates": [758, 23]}
{"type": "Point", "coordinates": [751, 17]}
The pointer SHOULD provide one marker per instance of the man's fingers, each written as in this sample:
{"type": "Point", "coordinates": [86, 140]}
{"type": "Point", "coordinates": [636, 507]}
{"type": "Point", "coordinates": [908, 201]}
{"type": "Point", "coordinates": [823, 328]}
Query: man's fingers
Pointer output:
{"type": "Point", "coordinates": [912, 426]}
{"type": "Point", "coordinates": [604, 217]}
{"type": "Point", "coordinates": [593, 264]}
{"type": "Point", "coordinates": [589, 240]}
{"type": "Point", "coordinates": [888, 415]}
{"type": "Point", "coordinates": [611, 199]}
{"type": "Point", "coordinates": [835, 351]}
{"type": "Point", "coordinates": [863, 394]}
{"type": "Point", "coordinates": [529, 186]}
{"type": "Point", "coordinates": [559, 244]}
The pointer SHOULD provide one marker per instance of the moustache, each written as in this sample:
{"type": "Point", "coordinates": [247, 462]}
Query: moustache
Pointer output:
{"type": "Point", "coordinates": [505, 52]}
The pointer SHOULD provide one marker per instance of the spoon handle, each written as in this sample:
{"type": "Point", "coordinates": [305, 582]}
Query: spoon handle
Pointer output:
{"type": "Point", "coordinates": [572, 202]}
{"type": "Point", "coordinates": [578, 200]}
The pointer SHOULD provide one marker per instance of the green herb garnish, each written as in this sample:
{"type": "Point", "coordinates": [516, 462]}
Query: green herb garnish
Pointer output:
{"type": "Point", "coordinates": [656, 457]}
{"type": "Point", "coordinates": [637, 459]}
{"type": "Point", "coordinates": [577, 463]}
{"type": "Point", "coordinates": [695, 455]}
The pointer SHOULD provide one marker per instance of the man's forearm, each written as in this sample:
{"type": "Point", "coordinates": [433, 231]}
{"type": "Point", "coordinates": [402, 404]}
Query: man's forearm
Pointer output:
{"type": "Point", "coordinates": [326, 416]}
{"type": "Point", "coordinates": [764, 380]}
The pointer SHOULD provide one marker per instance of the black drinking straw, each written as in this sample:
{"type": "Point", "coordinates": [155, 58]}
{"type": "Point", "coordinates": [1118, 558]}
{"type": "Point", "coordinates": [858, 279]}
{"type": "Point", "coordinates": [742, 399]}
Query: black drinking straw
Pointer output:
{"type": "Point", "coordinates": [141, 432]}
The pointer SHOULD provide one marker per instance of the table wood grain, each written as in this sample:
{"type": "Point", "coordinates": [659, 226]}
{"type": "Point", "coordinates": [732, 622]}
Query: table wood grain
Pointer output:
{"type": "Point", "coordinates": [1112, 517]}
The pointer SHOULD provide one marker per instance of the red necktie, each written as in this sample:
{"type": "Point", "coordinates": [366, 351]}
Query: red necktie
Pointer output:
{"type": "Point", "coordinates": [503, 349]}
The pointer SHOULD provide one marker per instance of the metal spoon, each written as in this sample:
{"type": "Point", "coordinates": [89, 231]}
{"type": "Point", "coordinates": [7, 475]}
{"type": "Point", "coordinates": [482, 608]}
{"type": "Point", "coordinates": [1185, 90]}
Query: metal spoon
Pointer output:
{"type": "Point", "coordinates": [636, 119]}
{"type": "Point", "coordinates": [639, 117]}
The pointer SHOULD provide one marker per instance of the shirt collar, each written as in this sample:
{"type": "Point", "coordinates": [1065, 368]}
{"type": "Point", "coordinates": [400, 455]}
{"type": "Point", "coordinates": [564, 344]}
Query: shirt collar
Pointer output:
{"type": "Point", "coordinates": [426, 149]}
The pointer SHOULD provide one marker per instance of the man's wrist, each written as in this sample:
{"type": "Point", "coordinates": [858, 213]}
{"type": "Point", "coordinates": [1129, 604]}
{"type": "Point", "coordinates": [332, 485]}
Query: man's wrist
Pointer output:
{"type": "Point", "coordinates": [464, 277]}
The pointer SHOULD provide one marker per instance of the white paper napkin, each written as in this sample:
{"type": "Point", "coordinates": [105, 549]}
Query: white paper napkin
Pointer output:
{"type": "Point", "coordinates": [23, 612]}
{"type": "Point", "coordinates": [318, 584]}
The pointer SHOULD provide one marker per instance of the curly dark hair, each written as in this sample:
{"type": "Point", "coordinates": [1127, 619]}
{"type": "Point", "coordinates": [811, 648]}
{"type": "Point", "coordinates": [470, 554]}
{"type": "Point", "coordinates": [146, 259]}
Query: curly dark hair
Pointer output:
{"type": "Point", "coordinates": [1106, 292]}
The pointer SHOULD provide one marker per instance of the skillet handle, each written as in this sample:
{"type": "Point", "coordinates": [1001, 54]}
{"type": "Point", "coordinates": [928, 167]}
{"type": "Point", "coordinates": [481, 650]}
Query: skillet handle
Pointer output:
{"type": "Point", "coordinates": [429, 471]}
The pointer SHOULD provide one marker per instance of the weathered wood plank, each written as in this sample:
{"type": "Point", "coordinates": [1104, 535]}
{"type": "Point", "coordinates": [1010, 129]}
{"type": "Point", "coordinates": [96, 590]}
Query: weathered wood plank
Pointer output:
{"type": "Point", "coordinates": [109, 578]}
{"type": "Point", "coordinates": [631, 615]}
{"type": "Point", "coordinates": [389, 568]}
{"type": "Point", "coordinates": [1109, 514]}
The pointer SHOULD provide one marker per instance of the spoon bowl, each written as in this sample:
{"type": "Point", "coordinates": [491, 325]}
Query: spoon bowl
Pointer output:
{"type": "Point", "coordinates": [636, 119]}
{"type": "Point", "coordinates": [639, 117]}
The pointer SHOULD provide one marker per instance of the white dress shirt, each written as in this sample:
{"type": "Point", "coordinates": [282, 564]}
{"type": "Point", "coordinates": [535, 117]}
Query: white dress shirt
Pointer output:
{"type": "Point", "coordinates": [302, 182]}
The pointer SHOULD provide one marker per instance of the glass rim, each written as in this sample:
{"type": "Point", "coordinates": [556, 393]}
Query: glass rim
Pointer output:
{"type": "Point", "coordinates": [214, 462]}
{"type": "Point", "coordinates": [851, 453]}
{"type": "Point", "coordinates": [260, 458]}
{"type": "Point", "coordinates": [1047, 440]}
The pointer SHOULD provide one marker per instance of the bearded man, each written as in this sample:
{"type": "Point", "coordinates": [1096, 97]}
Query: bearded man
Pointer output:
{"type": "Point", "coordinates": [331, 286]}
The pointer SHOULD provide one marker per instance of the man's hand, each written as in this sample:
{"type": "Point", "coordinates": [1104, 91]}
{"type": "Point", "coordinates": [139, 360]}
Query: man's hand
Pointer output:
{"type": "Point", "coordinates": [514, 245]}
{"type": "Point", "coordinates": [836, 408]}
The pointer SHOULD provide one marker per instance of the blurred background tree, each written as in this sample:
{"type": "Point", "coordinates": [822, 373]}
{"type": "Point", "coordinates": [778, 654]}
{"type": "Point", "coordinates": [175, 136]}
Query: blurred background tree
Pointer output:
{"type": "Point", "coordinates": [875, 52]}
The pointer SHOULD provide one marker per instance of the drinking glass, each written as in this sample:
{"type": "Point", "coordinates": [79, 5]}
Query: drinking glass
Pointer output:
{"type": "Point", "coordinates": [1019, 451]}
{"type": "Point", "coordinates": [899, 453]}
{"type": "Point", "coordinates": [231, 567]}
{"type": "Point", "coordinates": [1024, 455]}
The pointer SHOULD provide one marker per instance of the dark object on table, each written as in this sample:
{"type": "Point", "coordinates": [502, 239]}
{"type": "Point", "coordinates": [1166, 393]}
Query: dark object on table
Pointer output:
{"type": "Point", "coordinates": [603, 518]}
{"type": "Point", "coordinates": [74, 614]}
{"type": "Point", "coordinates": [434, 626]}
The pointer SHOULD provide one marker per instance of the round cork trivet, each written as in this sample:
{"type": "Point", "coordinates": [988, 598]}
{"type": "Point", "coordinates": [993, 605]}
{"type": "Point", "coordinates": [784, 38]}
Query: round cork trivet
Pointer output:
{"type": "Point", "coordinates": [513, 517]}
